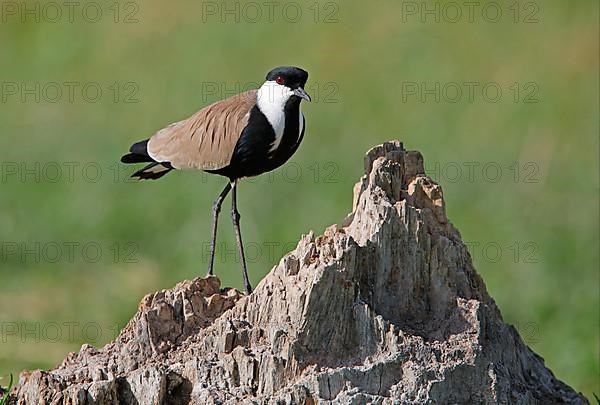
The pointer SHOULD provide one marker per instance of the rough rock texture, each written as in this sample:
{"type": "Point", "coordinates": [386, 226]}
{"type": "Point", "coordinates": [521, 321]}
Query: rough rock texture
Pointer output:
{"type": "Point", "coordinates": [386, 309]}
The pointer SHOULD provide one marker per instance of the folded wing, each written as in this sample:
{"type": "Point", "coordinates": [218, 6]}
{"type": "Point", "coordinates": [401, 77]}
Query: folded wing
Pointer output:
{"type": "Point", "coordinates": [207, 139]}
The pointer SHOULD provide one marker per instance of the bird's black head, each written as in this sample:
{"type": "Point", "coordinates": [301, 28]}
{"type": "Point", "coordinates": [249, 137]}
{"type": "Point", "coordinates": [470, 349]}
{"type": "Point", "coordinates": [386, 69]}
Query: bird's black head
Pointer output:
{"type": "Point", "coordinates": [292, 77]}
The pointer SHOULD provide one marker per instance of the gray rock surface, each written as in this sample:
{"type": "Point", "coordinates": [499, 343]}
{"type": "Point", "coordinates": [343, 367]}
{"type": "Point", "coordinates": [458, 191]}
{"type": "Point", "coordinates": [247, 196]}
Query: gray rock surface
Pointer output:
{"type": "Point", "coordinates": [386, 309]}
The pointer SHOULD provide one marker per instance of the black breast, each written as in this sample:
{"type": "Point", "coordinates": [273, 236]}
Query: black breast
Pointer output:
{"type": "Point", "coordinates": [252, 155]}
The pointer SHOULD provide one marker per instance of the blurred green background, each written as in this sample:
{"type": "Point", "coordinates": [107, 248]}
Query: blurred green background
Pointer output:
{"type": "Point", "coordinates": [81, 244]}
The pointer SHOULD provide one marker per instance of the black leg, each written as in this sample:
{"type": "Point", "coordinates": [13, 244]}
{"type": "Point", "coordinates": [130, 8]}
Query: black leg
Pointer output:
{"type": "Point", "coordinates": [235, 216]}
{"type": "Point", "coordinates": [215, 211]}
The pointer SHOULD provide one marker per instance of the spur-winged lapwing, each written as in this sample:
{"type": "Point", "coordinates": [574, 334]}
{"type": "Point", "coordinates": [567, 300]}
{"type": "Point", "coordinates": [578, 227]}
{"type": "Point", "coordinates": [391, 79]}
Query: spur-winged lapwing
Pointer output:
{"type": "Point", "coordinates": [242, 136]}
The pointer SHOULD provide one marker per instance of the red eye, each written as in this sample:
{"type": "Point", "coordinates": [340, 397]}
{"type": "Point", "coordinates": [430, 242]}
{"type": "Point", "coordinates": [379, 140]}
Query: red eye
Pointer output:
{"type": "Point", "coordinates": [279, 80]}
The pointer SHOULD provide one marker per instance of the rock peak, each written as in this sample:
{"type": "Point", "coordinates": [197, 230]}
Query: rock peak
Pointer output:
{"type": "Point", "coordinates": [385, 309]}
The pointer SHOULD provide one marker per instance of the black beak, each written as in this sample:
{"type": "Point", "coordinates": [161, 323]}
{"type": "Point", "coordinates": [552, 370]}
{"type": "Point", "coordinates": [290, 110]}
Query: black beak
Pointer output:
{"type": "Point", "coordinates": [300, 92]}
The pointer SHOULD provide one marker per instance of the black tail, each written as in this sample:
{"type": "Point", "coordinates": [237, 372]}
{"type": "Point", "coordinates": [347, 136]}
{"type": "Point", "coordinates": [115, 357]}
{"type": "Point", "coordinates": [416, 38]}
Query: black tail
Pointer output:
{"type": "Point", "coordinates": [139, 154]}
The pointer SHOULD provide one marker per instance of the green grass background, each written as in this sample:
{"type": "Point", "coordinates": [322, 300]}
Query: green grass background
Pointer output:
{"type": "Point", "coordinates": [358, 67]}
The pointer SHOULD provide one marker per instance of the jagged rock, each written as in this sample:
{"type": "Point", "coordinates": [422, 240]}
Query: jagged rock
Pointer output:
{"type": "Point", "coordinates": [387, 309]}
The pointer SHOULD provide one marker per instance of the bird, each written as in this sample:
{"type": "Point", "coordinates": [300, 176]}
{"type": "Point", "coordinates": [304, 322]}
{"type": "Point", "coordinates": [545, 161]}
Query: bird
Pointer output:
{"type": "Point", "coordinates": [242, 136]}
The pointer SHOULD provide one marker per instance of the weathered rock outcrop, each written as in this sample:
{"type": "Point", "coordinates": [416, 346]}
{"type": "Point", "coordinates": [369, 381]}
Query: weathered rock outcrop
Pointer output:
{"type": "Point", "coordinates": [386, 309]}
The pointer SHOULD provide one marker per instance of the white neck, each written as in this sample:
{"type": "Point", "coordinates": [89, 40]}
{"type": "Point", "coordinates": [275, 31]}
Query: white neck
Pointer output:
{"type": "Point", "coordinates": [271, 99]}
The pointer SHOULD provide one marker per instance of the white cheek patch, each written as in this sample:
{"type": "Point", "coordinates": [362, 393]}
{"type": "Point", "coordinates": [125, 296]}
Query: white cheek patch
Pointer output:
{"type": "Point", "coordinates": [301, 126]}
{"type": "Point", "coordinates": [271, 99]}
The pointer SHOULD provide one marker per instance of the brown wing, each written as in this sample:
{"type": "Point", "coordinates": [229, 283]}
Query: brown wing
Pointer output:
{"type": "Point", "coordinates": [207, 139]}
